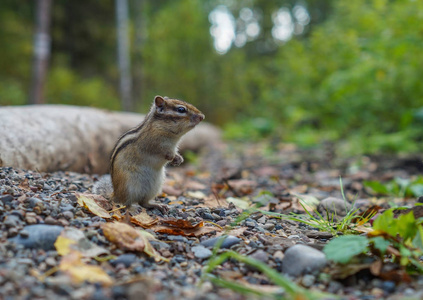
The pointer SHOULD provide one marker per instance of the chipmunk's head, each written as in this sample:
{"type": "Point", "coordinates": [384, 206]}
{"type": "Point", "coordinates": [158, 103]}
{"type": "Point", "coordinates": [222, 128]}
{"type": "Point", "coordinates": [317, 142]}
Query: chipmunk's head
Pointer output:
{"type": "Point", "coordinates": [175, 115]}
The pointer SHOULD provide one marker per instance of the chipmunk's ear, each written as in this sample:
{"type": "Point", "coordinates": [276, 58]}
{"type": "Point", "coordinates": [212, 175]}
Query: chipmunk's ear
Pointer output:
{"type": "Point", "coordinates": [159, 101]}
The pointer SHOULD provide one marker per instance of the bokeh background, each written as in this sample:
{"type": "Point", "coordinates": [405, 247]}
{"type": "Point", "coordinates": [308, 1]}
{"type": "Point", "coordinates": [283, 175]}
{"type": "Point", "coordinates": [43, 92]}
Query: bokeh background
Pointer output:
{"type": "Point", "coordinates": [302, 71]}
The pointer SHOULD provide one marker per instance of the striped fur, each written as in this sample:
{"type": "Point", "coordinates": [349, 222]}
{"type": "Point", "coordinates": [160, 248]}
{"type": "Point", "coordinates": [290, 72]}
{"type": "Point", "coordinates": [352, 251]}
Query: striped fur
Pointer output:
{"type": "Point", "coordinates": [138, 160]}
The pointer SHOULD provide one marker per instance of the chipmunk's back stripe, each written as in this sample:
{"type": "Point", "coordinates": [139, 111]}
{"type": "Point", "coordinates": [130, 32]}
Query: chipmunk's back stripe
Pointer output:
{"type": "Point", "coordinates": [120, 147]}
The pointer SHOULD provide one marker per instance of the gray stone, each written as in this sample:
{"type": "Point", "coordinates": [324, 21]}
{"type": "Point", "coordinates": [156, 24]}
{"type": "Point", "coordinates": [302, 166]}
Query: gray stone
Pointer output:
{"type": "Point", "coordinates": [228, 242]}
{"type": "Point", "coordinates": [125, 259]}
{"type": "Point", "coordinates": [308, 280]}
{"type": "Point", "coordinates": [333, 207]}
{"type": "Point", "coordinates": [201, 252]}
{"type": "Point", "coordinates": [302, 259]}
{"type": "Point", "coordinates": [39, 236]}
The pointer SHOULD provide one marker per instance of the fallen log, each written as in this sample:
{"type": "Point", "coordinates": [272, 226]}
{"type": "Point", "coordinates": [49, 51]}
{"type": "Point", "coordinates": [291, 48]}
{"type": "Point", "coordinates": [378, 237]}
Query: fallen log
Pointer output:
{"type": "Point", "coordinates": [51, 138]}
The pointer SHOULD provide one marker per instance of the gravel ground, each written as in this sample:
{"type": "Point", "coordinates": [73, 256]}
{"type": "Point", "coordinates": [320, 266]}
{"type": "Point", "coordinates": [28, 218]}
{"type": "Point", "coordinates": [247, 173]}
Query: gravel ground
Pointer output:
{"type": "Point", "coordinates": [35, 208]}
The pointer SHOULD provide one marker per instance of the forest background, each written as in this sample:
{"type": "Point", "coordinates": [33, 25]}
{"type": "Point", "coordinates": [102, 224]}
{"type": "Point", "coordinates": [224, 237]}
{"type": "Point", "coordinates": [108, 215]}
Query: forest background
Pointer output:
{"type": "Point", "coordinates": [301, 71]}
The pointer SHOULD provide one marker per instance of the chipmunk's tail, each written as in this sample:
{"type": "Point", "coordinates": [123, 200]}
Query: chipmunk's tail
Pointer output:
{"type": "Point", "coordinates": [104, 187]}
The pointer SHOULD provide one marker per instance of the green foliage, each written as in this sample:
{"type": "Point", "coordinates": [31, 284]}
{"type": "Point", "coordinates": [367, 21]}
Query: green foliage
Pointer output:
{"type": "Point", "coordinates": [292, 291]}
{"type": "Point", "coordinates": [344, 248]}
{"type": "Point", "coordinates": [354, 75]}
{"type": "Point", "coordinates": [398, 187]}
{"type": "Point", "coordinates": [404, 234]}
{"type": "Point", "coordinates": [66, 87]}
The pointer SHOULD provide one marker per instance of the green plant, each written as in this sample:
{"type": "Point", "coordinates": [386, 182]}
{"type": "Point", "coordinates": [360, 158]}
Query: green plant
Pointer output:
{"type": "Point", "coordinates": [292, 290]}
{"type": "Point", "coordinates": [393, 239]}
{"type": "Point", "coordinates": [398, 187]}
{"type": "Point", "coordinates": [331, 222]}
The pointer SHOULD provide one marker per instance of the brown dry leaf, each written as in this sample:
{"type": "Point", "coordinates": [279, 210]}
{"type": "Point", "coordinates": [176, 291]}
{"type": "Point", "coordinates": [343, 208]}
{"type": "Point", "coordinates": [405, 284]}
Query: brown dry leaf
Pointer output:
{"type": "Point", "coordinates": [123, 235]}
{"type": "Point", "coordinates": [126, 237]}
{"type": "Point", "coordinates": [90, 202]}
{"type": "Point", "coordinates": [242, 186]}
{"type": "Point", "coordinates": [182, 227]}
{"type": "Point", "coordinates": [80, 272]}
{"type": "Point", "coordinates": [170, 190]}
{"type": "Point", "coordinates": [144, 220]}
{"type": "Point", "coordinates": [194, 185]}
{"type": "Point", "coordinates": [180, 223]}
{"type": "Point", "coordinates": [343, 271]}
{"type": "Point", "coordinates": [24, 185]}
{"type": "Point", "coordinates": [182, 231]}
{"type": "Point", "coordinates": [363, 229]}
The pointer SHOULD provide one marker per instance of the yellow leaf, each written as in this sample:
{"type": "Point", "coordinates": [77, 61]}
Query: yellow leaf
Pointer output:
{"type": "Point", "coordinates": [63, 245]}
{"type": "Point", "coordinates": [88, 201]}
{"type": "Point", "coordinates": [80, 272]}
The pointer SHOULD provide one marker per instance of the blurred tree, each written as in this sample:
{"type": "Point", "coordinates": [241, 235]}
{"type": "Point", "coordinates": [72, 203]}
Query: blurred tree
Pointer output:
{"type": "Point", "coordinates": [123, 54]}
{"type": "Point", "coordinates": [41, 51]}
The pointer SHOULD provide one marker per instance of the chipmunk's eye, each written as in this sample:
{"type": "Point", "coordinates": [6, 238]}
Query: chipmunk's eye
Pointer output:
{"type": "Point", "coordinates": [181, 109]}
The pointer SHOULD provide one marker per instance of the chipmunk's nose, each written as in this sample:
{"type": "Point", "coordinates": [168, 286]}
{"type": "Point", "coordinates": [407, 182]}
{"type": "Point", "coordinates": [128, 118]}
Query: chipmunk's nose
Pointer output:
{"type": "Point", "coordinates": [197, 118]}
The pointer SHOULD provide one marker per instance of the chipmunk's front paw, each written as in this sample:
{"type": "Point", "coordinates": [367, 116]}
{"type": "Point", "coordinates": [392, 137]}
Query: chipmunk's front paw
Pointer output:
{"type": "Point", "coordinates": [177, 160]}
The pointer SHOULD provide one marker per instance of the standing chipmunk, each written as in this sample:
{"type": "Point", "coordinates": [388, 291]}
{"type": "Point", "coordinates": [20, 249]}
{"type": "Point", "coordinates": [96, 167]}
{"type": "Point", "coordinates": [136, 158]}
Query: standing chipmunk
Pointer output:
{"type": "Point", "coordinates": [138, 160]}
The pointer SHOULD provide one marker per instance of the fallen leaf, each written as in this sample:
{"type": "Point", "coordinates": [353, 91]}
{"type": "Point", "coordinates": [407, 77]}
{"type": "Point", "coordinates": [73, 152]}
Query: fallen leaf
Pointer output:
{"type": "Point", "coordinates": [185, 232]}
{"type": "Point", "coordinates": [309, 202]}
{"type": "Point", "coordinates": [80, 272]}
{"type": "Point", "coordinates": [197, 194]}
{"type": "Point", "coordinates": [74, 239]}
{"type": "Point", "coordinates": [239, 202]}
{"type": "Point", "coordinates": [89, 201]}
{"type": "Point", "coordinates": [194, 185]}
{"type": "Point", "coordinates": [144, 220]}
{"type": "Point", "coordinates": [180, 223]}
{"type": "Point", "coordinates": [126, 237]}
{"type": "Point", "coordinates": [63, 245]}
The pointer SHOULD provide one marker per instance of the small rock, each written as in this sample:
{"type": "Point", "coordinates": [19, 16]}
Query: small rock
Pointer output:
{"type": "Point", "coordinates": [334, 287]}
{"type": "Point", "coordinates": [6, 199]}
{"type": "Point", "coordinates": [68, 215]}
{"type": "Point", "coordinates": [177, 238]}
{"type": "Point", "coordinates": [11, 221]}
{"type": "Point", "coordinates": [294, 237]}
{"type": "Point", "coordinates": [278, 255]}
{"type": "Point", "coordinates": [125, 259]}
{"type": "Point", "coordinates": [262, 220]}
{"type": "Point", "coordinates": [269, 226]}
{"type": "Point", "coordinates": [333, 207]}
{"type": "Point", "coordinates": [50, 261]}
{"type": "Point", "coordinates": [228, 242]}
{"type": "Point", "coordinates": [308, 280]}
{"type": "Point", "coordinates": [300, 259]}
{"type": "Point", "coordinates": [388, 286]}
{"type": "Point", "coordinates": [39, 236]}
{"type": "Point", "coordinates": [201, 252]}
{"type": "Point", "coordinates": [32, 202]}
{"type": "Point", "coordinates": [260, 255]}
{"type": "Point", "coordinates": [50, 220]}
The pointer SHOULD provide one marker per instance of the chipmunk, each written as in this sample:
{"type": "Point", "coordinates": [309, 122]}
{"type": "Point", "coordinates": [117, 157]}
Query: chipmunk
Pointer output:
{"type": "Point", "coordinates": [138, 160]}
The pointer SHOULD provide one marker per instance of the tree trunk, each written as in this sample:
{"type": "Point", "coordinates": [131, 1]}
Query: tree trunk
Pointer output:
{"type": "Point", "coordinates": [41, 51]}
{"type": "Point", "coordinates": [123, 54]}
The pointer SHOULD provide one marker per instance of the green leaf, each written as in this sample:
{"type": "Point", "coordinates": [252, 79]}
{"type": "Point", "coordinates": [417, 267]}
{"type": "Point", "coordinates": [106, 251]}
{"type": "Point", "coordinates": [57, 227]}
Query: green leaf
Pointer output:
{"type": "Point", "coordinates": [407, 227]}
{"type": "Point", "coordinates": [344, 248]}
{"type": "Point", "coordinates": [377, 187]}
{"type": "Point", "coordinates": [415, 190]}
{"type": "Point", "coordinates": [418, 239]}
{"type": "Point", "coordinates": [380, 243]}
{"type": "Point", "coordinates": [385, 223]}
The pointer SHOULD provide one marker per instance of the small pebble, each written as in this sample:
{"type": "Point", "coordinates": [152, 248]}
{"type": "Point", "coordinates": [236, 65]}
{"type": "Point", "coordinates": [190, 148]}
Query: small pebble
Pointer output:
{"type": "Point", "coordinates": [201, 252]}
